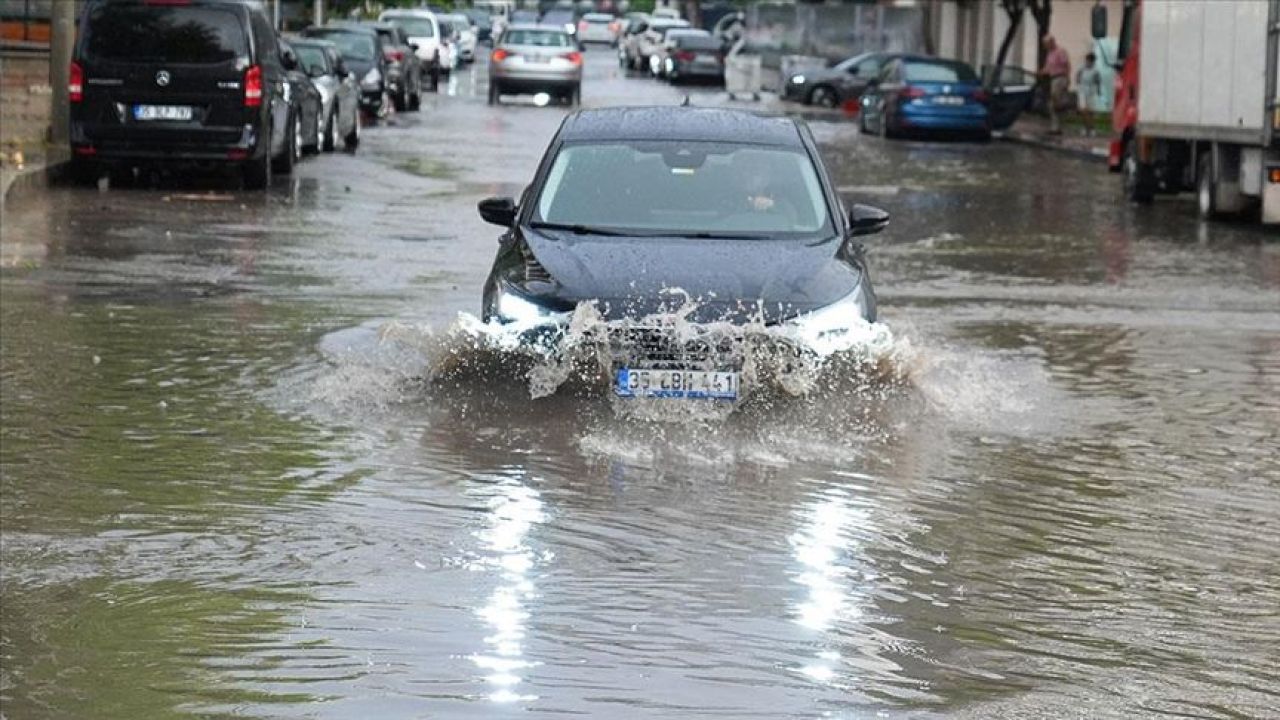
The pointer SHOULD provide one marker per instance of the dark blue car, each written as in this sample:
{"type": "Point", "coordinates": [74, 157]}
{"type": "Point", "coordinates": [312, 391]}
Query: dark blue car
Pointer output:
{"type": "Point", "coordinates": [924, 94]}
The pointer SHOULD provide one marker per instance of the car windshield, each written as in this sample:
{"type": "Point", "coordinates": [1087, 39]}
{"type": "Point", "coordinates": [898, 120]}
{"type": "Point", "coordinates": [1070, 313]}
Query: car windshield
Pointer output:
{"type": "Point", "coordinates": [557, 17]}
{"type": "Point", "coordinates": [164, 33]}
{"type": "Point", "coordinates": [685, 188]}
{"type": "Point", "coordinates": [480, 18]}
{"type": "Point", "coordinates": [413, 26]}
{"type": "Point", "coordinates": [352, 45]}
{"type": "Point", "coordinates": [524, 16]}
{"type": "Point", "coordinates": [940, 72]}
{"type": "Point", "coordinates": [312, 58]}
{"type": "Point", "coordinates": [597, 19]}
{"type": "Point", "coordinates": [538, 38]}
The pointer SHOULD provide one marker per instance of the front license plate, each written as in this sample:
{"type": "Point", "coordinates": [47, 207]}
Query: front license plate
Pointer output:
{"type": "Point", "coordinates": [693, 384]}
{"type": "Point", "coordinates": [162, 112]}
{"type": "Point", "coordinates": [948, 100]}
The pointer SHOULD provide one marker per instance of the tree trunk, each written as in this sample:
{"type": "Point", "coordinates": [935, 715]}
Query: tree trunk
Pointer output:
{"type": "Point", "coordinates": [1042, 11]}
{"type": "Point", "coordinates": [1014, 9]}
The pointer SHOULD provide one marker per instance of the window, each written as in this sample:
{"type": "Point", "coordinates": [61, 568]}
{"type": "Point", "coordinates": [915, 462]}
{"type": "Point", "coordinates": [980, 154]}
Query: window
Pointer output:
{"type": "Point", "coordinates": [538, 38]}
{"type": "Point", "coordinates": [868, 68]}
{"type": "Point", "coordinates": [352, 45]}
{"type": "Point", "coordinates": [940, 72]}
{"type": "Point", "coordinates": [686, 188]}
{"type": "Point", "coordinates": [167, 34]}
{"type": "Point", "coordinates": [312, 58]}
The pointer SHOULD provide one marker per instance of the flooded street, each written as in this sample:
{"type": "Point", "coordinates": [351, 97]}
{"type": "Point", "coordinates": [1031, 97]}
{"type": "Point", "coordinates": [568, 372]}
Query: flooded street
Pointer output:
{"type": "Point", "coordinates": [230, 487]}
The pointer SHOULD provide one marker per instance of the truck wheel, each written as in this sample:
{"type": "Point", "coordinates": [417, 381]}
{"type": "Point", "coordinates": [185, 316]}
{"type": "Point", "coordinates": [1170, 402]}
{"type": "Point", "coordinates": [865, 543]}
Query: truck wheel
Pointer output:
{"type": "Point", "coordinates": [1206, 189]}
{"type": "Point", "coordinates": [1139, 180]}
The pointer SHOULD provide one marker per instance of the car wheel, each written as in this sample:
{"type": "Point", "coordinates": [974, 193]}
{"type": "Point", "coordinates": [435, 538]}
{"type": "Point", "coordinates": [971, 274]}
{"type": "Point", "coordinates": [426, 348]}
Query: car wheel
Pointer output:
{"type": "Point", "coordinates": [575, 99]}
{"type": "Point", "coordinates": [415, 102]}
{"type": "Point", "coordinates": [330, 132]}
{"type": "Point", "coordinates": [352, 140]}
{"type": "Point", "coordinates": [289, 155]}
{"type": "Point", "coordinates": [1139, 185]}
{"type": "Point", "coordinates": [494, 93]}
{"type": "Point", "coordinates": [1206, 189]}
{"type": "Point", "coordinates": [823, 96]}
{"type": "Point", "coordinates": [85, 172]}
{"type": "Point", "coordinates": [257, 172]}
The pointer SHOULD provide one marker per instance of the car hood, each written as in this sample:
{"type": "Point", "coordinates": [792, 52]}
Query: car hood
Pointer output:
{"type": "Point", "coordinates": [727, 279]}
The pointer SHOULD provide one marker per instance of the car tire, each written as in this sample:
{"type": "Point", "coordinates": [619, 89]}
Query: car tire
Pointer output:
{"type": "Point", "coordinates": [575, 98]}
{"type": "Point", "coordinates": [401, 100]}
{"type": "Point", "coordinates": [257, 172]}
{"type": "Point", "coordinates": [415, 101]}
{"type": "Point", "coordinates": [1139, 180]}
{"type": "Point", "coordinates": [289, 156]}
{"type": "Point", "coordinates": [85, 172]}
{"type": "Point", "coordinates": [823, 96]}
{"type": "Point", "coordinates": [495, 92]}
{"type": "Point", "coordinates": [330, 142]}
{"type": "Point", "coordinates": [313, 148]}
{"type": "Point", "coordinates": [352, 139]}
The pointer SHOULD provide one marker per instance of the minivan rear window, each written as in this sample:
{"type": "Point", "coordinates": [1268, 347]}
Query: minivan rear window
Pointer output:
{"type": "Point", "coordinates": [179, 34]}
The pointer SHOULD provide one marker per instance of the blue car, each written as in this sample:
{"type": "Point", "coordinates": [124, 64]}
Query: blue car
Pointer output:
{"type": "Point", "coordinates": [923, 94]}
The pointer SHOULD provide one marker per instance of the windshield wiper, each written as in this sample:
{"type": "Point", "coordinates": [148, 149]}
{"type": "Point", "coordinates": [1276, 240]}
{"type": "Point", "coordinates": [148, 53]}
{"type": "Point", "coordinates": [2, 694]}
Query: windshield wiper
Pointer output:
{"type": "Point", "coordinates": [576, 229]}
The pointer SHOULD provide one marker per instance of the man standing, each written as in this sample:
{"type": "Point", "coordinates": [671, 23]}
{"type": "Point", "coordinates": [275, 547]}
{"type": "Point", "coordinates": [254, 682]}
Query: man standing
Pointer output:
{"type": "Point", "coordinates": [1057, 68]}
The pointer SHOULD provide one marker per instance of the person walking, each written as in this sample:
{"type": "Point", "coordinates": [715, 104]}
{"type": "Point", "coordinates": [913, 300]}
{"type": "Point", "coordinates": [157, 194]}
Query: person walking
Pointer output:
{"type": "Point", "coordinates": [1057, 68]}
{"type": "Point", "coordinates": [1089, 87]}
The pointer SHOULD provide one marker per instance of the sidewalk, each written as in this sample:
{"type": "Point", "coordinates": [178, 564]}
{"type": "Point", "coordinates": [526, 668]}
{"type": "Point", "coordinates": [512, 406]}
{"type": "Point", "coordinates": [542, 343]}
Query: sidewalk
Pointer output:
{"type": "Point", "coordinates": [26, 159]}
{"type": "Point", "coordinates": [1034, 130]}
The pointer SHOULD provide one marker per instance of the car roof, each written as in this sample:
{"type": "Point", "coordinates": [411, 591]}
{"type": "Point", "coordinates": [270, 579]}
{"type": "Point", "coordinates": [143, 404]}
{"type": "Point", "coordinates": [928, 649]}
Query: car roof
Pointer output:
{"type": "Point", "coordinates": [681, 123]}
{"type": "Point", "coordinates": [406, 12]}
{"type": "Point", "coordinates": [535, 26]}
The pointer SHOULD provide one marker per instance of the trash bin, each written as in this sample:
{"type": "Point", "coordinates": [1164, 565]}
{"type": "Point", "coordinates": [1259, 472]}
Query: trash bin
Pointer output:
{"type": "Point", "coordinates": [742, 73]}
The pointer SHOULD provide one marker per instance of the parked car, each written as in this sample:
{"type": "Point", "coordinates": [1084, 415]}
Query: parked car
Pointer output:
{"type": "Point", "coordinates": [339, 92]}
{"type": "Point", "coordinates": [833, 86]}
{"type": "Point", "coordinates": [658, 60]}
{"type": "Point", "coordinates": [597, 28]}
{"type": "Point", "coordinates": [915, 93]}
{"type": "Point", "coordinates": [404, 69]}
{"type": "Point", "coordinates": [423, 32]}
{"type": "Point", "coordinates": [650, 41]}
{"type": "Point", "coordinates": [694, 57]}
{"type": "Point", "coordinates": [628, 203]}
{"type": "Point", "coordinates": [561, 18]}
{"type": "Point", "coordinates": [306, 100]}
{"type": "Point", "coordinates": [629, 40]}
{"type": "Point", "coordinates": [481, 23]}
{"type": "Point", "coordinates": [202, 83]}
{"type": "Point", "coordinates": [534, 59]}
{"type": "Point", "coordinates": [362, 54]}
{"type": "Point", "coordinates": [666, 13]}
{"type": "Point", "coordinates": [464, 36]}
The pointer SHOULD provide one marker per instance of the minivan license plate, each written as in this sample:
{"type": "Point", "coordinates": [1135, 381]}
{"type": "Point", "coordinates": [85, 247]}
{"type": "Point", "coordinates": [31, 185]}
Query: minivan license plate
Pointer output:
{"type": "Point", "coordinates": [692, 384]}
{"type": "Point", "coordinates": [161, 112]}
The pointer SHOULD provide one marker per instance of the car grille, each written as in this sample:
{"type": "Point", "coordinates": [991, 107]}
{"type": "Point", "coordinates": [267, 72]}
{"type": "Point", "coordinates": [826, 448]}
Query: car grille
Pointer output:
{"type": "Point", "coordinates": [660, 348]}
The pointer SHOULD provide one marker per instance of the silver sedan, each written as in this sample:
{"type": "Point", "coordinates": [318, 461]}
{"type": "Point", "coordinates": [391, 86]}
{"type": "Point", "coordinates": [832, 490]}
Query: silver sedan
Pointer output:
{"type": "Point", "coordinates": [533, 59]}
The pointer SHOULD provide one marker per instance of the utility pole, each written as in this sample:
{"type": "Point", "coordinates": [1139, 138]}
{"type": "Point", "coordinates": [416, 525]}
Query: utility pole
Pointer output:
{"type": "Point", "coordinates": [275, 14]}
{"type": "Point", "coordinates": [318, 12]}
{"type": "Point", "coordinates": [62, 22]}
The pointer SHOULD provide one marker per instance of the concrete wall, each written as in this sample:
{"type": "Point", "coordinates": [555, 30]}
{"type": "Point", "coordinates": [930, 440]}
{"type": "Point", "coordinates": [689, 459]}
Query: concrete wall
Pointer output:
{"type": "Point", "coordinates": [24, 98]}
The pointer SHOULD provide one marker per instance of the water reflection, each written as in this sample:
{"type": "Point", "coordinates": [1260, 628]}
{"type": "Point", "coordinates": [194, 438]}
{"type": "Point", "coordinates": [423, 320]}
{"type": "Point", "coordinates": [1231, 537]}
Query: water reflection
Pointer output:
{"type": "Point", "coordinates": [514, 510]}
{"type": "Point", "coordinates": [829, 538]}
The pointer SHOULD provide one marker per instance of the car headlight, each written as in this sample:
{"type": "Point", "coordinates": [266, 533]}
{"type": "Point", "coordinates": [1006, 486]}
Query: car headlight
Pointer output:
{"type": "Point", "coordinates": [371, 79]}
{"type": "Point", "coordinates": [797, 79]}
{"type": "Point", "coordinates": [832, 323]}
{"type": "Point", "coordinates": [515, 310]}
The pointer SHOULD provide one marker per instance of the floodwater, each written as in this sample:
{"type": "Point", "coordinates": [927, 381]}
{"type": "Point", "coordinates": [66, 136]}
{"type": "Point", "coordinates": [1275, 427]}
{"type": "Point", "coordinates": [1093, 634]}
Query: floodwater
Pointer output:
{"type": "Point", "coordinates": [237, 480]}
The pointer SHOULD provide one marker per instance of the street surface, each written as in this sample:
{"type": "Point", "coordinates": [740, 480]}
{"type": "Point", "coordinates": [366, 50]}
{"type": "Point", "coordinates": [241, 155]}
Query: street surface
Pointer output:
{"type": "Point", "coordinates": [230, 489]}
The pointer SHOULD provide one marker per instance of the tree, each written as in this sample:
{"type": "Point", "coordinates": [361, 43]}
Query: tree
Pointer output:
{"type": "Point", "coordinates": [1014, 9]}
{"type": "Point", "coordinates": [1042, 11]}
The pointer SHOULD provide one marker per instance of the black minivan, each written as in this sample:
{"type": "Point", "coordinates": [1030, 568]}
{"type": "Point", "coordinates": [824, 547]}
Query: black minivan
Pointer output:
{"type": "Point", "coordinates": [187, 82]}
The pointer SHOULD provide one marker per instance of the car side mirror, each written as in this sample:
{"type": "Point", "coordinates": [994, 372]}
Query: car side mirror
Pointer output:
{"type": "Point", "coordinates": [867, 220]}
{"type": "Point", "coordinates": [414, 46]}
{"type": "Point", "coordinates": [289, 59]}
{"type": "Point", "coordinates": [498, 211]}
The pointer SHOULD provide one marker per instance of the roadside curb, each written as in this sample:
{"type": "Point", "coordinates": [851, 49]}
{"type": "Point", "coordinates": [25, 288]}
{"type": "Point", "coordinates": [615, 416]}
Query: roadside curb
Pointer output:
{"type": "Point", "coordinates": [32, 181]}
{"type": "Point", "coordinates": [1095, 154]}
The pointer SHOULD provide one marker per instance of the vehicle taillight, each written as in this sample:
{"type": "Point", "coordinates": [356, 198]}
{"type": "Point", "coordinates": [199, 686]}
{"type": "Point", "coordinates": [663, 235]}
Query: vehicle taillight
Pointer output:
{"type": "Point", "coordinates": [573, 57]}
{"type": "Point", "coordinates": [75, 83]}
{"type": "Point", "coordinates": [981, 96]}
{"type": "Point", "coordinates": [684, 56]}
{"type": "Point", "coordinates": [912, 92]}
{"type": "Point", "coordinates": [253, 87]}
{"type": "Point", "coordinates": [499, 55]}
{"type": "Point", "coordinates": [395, 55]}
{"type": "Point", "coordinates": [582, 25]}
{"type": "Point", "coordinates": [614, 27]}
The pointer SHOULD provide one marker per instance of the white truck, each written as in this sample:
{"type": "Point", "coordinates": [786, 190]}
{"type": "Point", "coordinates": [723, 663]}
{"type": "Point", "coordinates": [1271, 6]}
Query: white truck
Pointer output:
{"type": "Point", "coordinates": [1197, 96]}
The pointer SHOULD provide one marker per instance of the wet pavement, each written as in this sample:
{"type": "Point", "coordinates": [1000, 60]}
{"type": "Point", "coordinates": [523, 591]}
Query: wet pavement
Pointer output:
{"type": "Point", "coordinates": [228, 489]}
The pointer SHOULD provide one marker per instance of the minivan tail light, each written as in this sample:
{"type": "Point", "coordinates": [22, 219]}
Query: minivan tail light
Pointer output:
{"type": "Point", "coordinates": [396, 55]}
{"type": "Point", "coordinates": [75, 83]}
{"type": "Point", "coordinates": [913, 92]}
{"type": "Point", "coordinates": [253, 86]}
